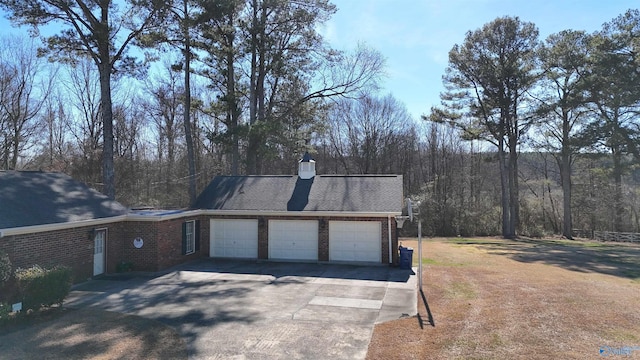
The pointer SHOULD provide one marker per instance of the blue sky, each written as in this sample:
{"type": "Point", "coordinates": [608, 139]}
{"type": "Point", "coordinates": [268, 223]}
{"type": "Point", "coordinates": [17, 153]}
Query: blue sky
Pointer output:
{"type": "Point", "coordinates": [415, 36]}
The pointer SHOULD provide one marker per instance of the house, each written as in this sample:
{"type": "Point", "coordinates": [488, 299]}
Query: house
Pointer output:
{"type": "Point", "coordinates": [49, 218]}
{"type": "Point", "coordinates": [308, 217]}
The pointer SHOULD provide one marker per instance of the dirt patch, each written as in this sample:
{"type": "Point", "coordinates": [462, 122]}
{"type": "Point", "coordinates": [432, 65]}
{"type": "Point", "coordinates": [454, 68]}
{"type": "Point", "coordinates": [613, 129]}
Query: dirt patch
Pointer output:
{"type": "Point", "coordinates": [91, 334]}
{"type": "Point", "coordinates": [493, 298]}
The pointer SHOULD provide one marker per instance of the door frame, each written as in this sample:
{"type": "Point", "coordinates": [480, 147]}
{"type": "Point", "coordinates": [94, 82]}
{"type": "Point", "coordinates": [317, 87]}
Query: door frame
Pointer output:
{"type": "Point", "coordinates": [104, 250]}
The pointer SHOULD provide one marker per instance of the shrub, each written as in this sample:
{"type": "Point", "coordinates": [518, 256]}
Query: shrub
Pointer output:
{"type": "Point", "coordinates": [5, 310]}
{"type": "Point", "coordinates": [5, 268]}
{"type": "Point", "coordinates": [43, 287]}
{"type": "Point", "coordinates": [124, 266]}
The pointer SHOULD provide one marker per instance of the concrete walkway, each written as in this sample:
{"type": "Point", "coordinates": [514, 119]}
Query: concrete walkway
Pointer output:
{"type": "Point", "coordinates": [262, 310]}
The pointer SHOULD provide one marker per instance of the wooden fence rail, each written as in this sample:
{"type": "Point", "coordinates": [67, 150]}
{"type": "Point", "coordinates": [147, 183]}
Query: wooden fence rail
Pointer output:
{"type": "Point", "coordinates": [608, 235]}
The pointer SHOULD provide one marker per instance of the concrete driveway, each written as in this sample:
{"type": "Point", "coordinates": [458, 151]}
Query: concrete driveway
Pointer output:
{"type": "Point", "coordinates": [262, 310]}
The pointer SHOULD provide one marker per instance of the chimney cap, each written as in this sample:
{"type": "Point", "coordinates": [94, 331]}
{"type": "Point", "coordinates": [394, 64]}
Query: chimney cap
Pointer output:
{"type": "Point", "coordinates": [307, 158]}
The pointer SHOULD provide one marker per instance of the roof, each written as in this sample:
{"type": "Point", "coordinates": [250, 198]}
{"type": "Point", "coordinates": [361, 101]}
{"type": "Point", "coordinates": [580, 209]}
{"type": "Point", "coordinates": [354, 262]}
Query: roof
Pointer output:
{"type": "Point", "coordinates": [29, 198]}
{"type": "Point", "coordinates": [346, 193]}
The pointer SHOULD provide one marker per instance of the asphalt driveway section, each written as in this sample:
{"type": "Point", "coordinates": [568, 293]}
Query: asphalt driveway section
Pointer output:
{"type": "Point", "coordinates": [262, 310]}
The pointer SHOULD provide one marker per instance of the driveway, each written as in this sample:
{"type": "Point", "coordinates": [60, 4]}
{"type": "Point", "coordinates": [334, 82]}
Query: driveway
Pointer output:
{"type": "Point", "coordinates": [262, 310]}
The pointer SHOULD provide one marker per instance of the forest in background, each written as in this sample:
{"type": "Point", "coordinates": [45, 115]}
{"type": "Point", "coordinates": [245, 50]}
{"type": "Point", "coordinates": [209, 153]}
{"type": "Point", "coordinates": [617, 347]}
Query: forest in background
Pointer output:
{"type": "Point", "coordinates": [263, 88]}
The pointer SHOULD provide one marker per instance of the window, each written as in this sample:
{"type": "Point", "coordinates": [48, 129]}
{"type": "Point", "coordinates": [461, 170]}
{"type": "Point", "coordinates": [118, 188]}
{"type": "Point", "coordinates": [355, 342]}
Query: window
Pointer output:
{"type": "Point", "coordinates": [189, 237]}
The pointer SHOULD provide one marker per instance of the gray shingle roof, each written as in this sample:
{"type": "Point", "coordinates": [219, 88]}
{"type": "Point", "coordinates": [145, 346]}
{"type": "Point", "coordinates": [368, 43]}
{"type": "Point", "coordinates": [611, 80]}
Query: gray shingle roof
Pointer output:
{"type": "Point", "coordinates": [348, 193]}
{"type": "Point", "coordinates": [37, 198]}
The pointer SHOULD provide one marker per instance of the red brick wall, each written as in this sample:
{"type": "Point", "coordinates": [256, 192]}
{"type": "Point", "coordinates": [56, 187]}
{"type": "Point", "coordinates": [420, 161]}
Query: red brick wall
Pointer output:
{"type": "Point", "coordinates": [162, 244]}
{"type": "Point", "coordinates": [323, 240]}
{"type": "Point", "coordinates": [121, 246]}
{"type": "Point", "coordinates": [69, 247]}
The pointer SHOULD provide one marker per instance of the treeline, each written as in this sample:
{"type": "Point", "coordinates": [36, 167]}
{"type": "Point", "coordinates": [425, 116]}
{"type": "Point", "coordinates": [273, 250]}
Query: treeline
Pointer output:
{"type": "Point", "coordinates": [570, 94]}
{"type": "Point", "coordinates": [147, 101]}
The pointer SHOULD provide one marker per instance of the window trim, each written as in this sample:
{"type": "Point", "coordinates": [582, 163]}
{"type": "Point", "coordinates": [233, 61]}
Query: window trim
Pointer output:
{"type": "Point", "coordinates": [189, 241]}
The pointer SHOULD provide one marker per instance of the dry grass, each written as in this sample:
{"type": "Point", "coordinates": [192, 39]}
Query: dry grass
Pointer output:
{"type": "Point", "coordinates": [498, 299]}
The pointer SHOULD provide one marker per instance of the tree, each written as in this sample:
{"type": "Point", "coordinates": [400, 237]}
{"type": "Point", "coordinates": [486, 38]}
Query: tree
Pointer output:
{"type": "Point", "coordinates": [222, 40]}
{"type": "Point", "coordinates": [163, 107]}
{"type": "Point", "coordinates": [289, 65]}
{"type": "Point", "coordinates": [487, 81]}
{"type": "Point", "coordinates": [365, 132]}
{"type": "Point", "coordinates": [563, 105]}
{"type": "Point", "coordinates": [24, 89]}
{"type": "Point", "coordinates": [613, 88]}
{"type": "Point", "coordinates": [82, 96]}
{"type": "Point", "coordinates": [91, 29]}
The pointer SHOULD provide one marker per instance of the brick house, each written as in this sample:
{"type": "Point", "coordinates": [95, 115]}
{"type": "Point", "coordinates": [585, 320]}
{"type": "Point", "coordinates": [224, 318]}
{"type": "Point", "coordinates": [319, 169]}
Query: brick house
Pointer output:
{"type": "Point", "coordinates": [49, 218]}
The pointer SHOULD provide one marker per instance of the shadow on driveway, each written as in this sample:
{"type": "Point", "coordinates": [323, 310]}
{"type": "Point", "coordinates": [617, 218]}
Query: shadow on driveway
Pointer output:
{"type": "Point", "coordinates": [261, 310]}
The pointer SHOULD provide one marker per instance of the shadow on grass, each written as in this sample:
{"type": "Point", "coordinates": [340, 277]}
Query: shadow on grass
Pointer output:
{"type": "Point", "coordinates": [91, 333]}
{"type": "Point", "coordinates": [605, 258]}
{"type": "Point", "coordinates": [430, 320]}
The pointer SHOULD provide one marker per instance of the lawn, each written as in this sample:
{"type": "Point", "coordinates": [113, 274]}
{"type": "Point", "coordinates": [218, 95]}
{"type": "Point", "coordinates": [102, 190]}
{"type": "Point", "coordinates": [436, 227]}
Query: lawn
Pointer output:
{"type": "Point", "coordinates": [526, 299]}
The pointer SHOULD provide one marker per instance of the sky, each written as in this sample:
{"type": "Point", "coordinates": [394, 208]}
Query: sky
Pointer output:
{"type": "Point", "coordinates": [415, 36]}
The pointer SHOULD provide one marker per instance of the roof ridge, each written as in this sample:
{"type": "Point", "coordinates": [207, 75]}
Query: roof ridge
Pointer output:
{"type": "Point", "coordinates": [361, 175]}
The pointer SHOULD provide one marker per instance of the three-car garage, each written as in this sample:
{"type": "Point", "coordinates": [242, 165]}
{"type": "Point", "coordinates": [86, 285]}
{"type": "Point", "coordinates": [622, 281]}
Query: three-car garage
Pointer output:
{"type": "Point", "coordinates": [298, 240]}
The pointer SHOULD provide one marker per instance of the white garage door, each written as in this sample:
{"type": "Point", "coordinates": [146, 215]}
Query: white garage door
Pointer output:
{"type": "Point", "coordinates": [293, 239]}
{"type": "Point", "coordinates": [355, 241]}
{"type": "Point", "coordinates": [237, 238]}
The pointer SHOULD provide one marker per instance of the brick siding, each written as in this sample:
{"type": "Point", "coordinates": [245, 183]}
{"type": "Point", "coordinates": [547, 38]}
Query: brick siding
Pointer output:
{"type": "Point", "coordinates": [70, 247]}
{"type": "Point", "coordinates": [162, 243]}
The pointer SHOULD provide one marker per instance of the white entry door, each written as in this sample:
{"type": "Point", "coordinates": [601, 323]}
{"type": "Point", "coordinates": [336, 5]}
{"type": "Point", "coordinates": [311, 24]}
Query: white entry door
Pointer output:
{"type": "Point", "coordinates": [355, 241]}
{"type": "Point", "coordinates": [234, 238]}
{"type": "Point", "coordinates": [99, 242]}
{"type": "Point", "coordinates": [293, 239]}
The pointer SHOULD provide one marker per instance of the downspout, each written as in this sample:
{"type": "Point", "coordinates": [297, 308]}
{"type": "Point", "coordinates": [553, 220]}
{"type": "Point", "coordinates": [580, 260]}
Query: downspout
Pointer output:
{"type": "Point", "coordinates": [389, 227]}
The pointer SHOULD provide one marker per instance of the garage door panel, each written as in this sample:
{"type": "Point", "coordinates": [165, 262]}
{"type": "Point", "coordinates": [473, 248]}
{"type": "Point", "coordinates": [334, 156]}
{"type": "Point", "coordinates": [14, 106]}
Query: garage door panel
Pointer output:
{"type": "Point", "coordinates": [293, 239]}
{"type": "Point", "coordinates": [234, 238]}
{"type": "Point", "coordinates": [355, 241]}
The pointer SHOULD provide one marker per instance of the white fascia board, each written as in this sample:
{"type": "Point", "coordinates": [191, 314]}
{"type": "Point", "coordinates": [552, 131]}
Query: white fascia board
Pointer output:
{"type": "Point", "coordinates": [157, 218]}
{"type": "Point", "coordinates": [172, 216]}
{"type": "Point", "coordinates": [96, 222]}
{"type": "Point", "coordinates": [59, 226]}
{"type": "Point", "coordinates": [300, 213]}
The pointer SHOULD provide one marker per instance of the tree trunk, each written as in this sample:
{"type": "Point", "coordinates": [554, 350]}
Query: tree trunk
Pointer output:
{"type": "Point", "coordinates": [232, 101]}
{"type": "Point", "coordinates": [504, 187]}
{"type": "Point", "coordinates": [108, 171]}
{"type": "Point", "coordinates": [617, 196]}
{"type": "Point", "coordinates": [565, 178]}
{"type": "Point", "coordinates": [187, 108]}
{"type": "Point", "coordinates": [253, 97]}
{"type": "Point", "coordinates": [514, 193]}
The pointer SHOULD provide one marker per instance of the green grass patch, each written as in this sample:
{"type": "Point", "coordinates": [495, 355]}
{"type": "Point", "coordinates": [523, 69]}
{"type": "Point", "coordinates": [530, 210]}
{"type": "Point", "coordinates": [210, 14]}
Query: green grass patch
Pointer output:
{"type": "Point", "coordinates": [434, 262]}
{"type": "Point", "coordinates": [552, 242]}
{"type": "Point", "coordinates": [476, 241]}
{"type": "Point", "coordinates": [460, 291]}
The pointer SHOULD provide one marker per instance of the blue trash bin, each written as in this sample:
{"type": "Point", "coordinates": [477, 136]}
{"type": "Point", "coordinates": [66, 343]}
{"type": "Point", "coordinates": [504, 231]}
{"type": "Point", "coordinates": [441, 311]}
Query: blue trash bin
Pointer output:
{"type": "Point", "coordinates": [406, 257]}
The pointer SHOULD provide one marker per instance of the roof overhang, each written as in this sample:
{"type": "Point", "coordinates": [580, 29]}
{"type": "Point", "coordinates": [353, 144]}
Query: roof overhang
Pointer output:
{"type": "Point", "coordinates": [171, 215]}
{"type": "Point", "coordinates": [300, 213]}
{"type": "Point", "coordinates": [59, 226]}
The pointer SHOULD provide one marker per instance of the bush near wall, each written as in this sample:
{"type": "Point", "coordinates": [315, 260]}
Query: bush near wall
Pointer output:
{"type": "Point", "coordinates": [39, 287]}
{"type": "Point", "coordinates": [5, 268]}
